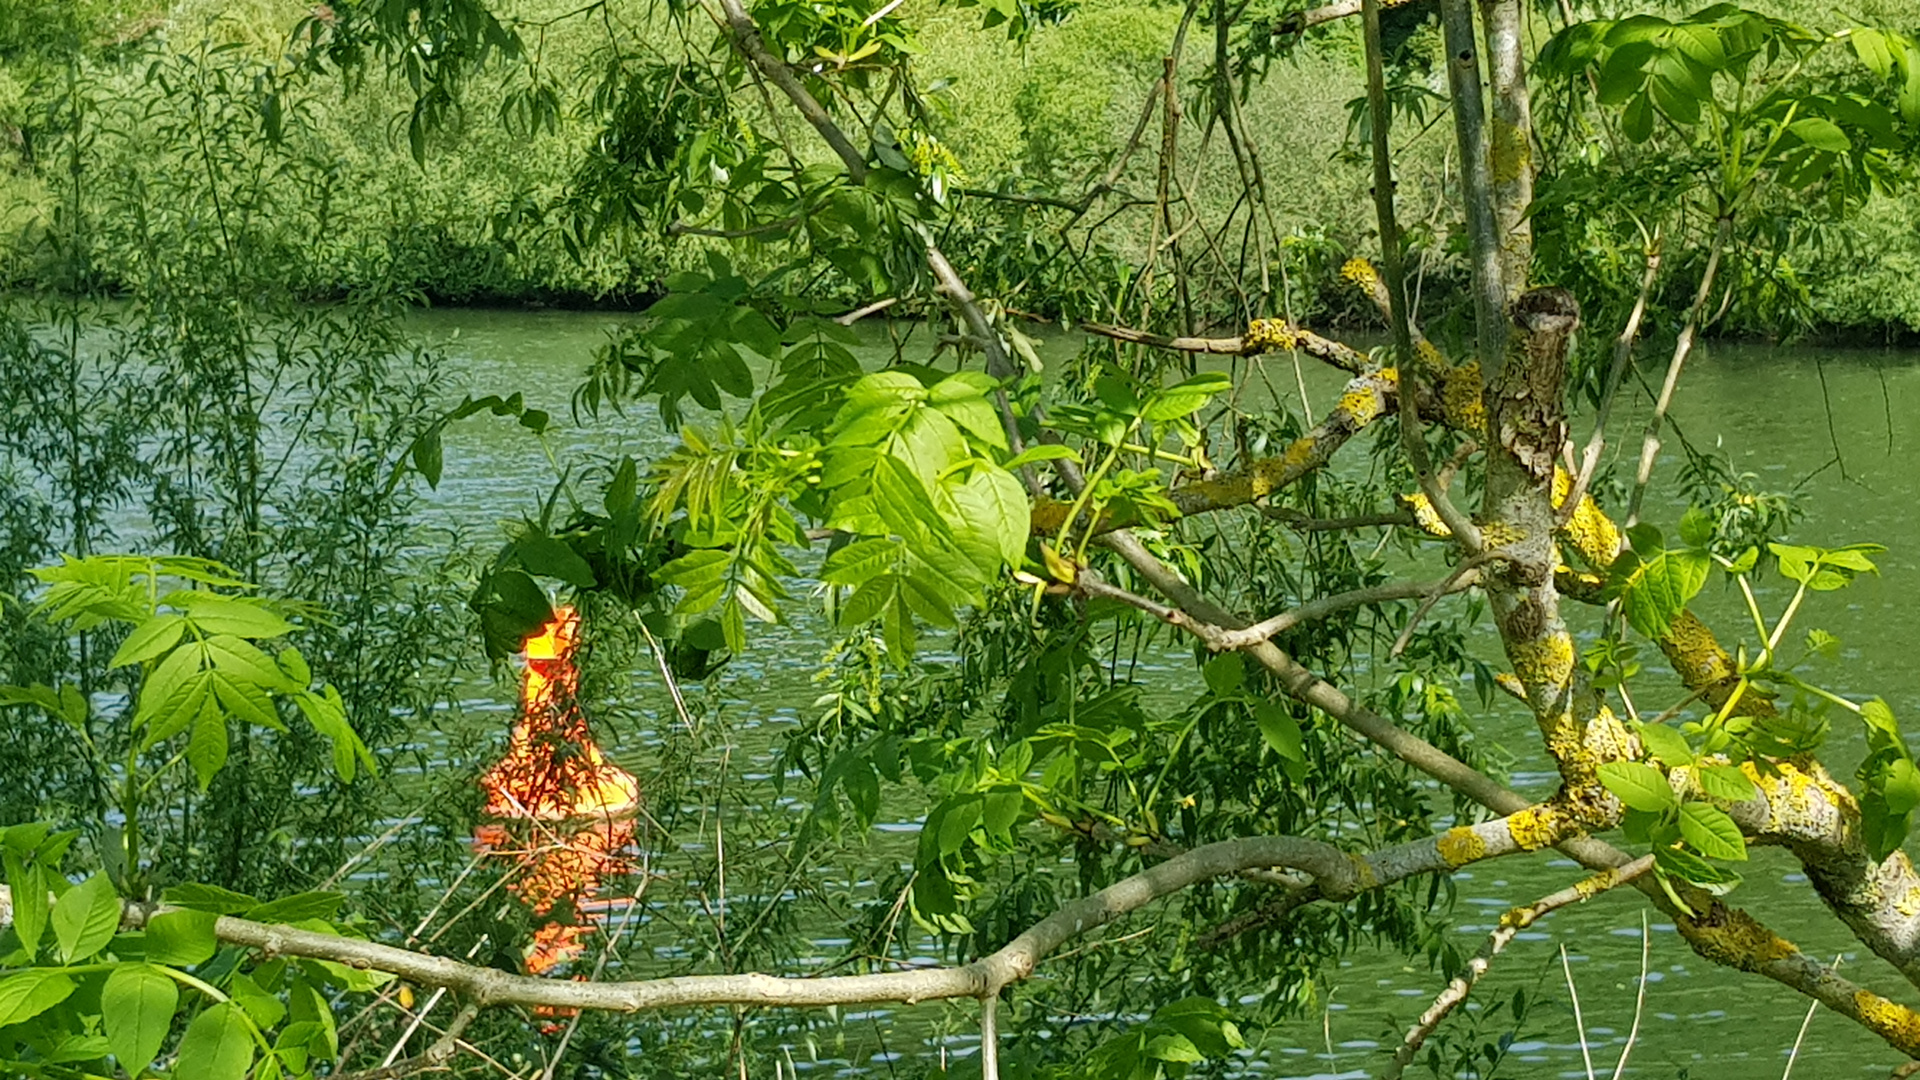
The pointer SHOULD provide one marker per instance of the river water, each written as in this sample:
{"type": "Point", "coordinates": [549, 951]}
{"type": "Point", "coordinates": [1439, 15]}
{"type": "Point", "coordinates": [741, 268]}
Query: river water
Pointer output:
{"type": "Point", "coordinates": [1774, 411]}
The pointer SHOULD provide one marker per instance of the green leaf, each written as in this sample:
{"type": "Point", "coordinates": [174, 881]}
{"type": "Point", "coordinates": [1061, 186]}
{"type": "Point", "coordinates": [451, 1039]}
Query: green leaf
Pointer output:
{"type": "Point", "coordinates": [1726, 782]}
{"type": "Point", "coordinates": [77, 1047]}
{"type": "Point", "coordinates": [1636, 120]}
{"type": "Point", "coordinates": [148, 640]}
{"type": "Point", "coordinates": [1696, 527]}
{"type": "Point", "coordinates": [1821, 134]}
{"type": "Point", "coordinates": [964, 398]}
{"type": "Point", "coordinates": [264, 1009]}
{"type": "Point", "coordinates": [1901, 787]}
{"type": "Point", "coordinates": [860, 562]}
{"type": "Point", "coordinates": [1186, 397]}
{"type": "Point", "coordinates": [29, 993]}
{"type": "Point", "coordinates": [243, 659]}
{"type": "Point", "coordinates": [216, 614]}
{"type": "Point", "coordinates": [1039, 452]}
{"type": "Point", "coordinates": [1666, 744]}
{"type": "Point", "coordinates": [1687, 866]}
{"type": "Point", "coordinates": [172, 694]}
{"type": "Point", "coordinates": [1173, 1047]}
{"type": "Point", "coordinates": [1660, 588]}
{"type": "Point", "coordinates": [207, 743]}
{"type": "Point", "coordinates": [136, 1009]}
{"type": "Point", "coordinates": [1712, 832]}
{"type": "Point", "coordinates": [1639, 786]}
{"type": "Point", "coordinates": [30, 887]}
{"type": "Point", "coordinates": [548, 557]}
{"type": "Point", "coordinates": [295, 666]}
{"type": "Point", "coordinates": [211, 898]}
{"type": "Point", "coordinates": [85, 919]}
{"type": "Point", "coordinates": [181, 938]}
{"type": "Point", "coordinates": [1281, 731]}
{"type": "Point", "coordinates": [218, 1045]}
{"type": "Point", "coordinates": [246, 701]}
{"type": "Point", "coordinates": [292, 909]}
{"type": "Point", "coordinates": [1225, 673]}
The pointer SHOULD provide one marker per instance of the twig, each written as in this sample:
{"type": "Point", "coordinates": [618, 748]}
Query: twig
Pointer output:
{"type": "Point", "coordinates": [1622, 359]}
{"type": "Point", "coordinates": [1464, 575]}
{"type": "Point", "coordinates": [1400, 320]}
{"type": "Point", "coordinates": [681, 228]}
{"type": "Point", "coordinates": [1300, 522]}
{"type": "Point", "coordinates": [857, 314]}
{"type": "Point", "coordinates": [1650, 443]}
{"type": "Point", "coordinates": [436, 1057]}
{"type": "Point", "coordinates": [1579, 1022]}
{"type": "Point", "coordinates": [1324, 349]}
{"type": "Point", "coordinates": [1640, 998]}
{"type": "Point", "coordinates": [1221, 639]}
{"type": "Point", "coordinates": [1794, 1054]}
{"type": "Point", "coordinates": [989, 1037]}
{"type": "Point", "coordinates": [1510, 927]}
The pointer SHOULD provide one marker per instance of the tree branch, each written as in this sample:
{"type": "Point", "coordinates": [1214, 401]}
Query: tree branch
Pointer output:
{"type": "Point", "coordinates": [1336, 874]}
{"type": "Point", "coordinates": [1511, 924]}
{"type": "Point", "coordinates": [1264, 335]}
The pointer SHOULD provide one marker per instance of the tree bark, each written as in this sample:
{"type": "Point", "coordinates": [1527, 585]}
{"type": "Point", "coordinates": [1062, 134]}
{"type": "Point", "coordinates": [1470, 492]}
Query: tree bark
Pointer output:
{"type": "Point", "coordinates": [1476, 185]}
{"type": "Point", "coordinates": [1510, 147]}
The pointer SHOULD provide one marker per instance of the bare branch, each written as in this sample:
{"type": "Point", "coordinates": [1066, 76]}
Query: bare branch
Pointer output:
{"type": "Point", "coordinates": [1622, 360]}
{"type": "Point", "coordinates": [1220, 638]}
{"type": "Point", "coordinates": [1650, 443]}
{"type": "Point", "coordinates": [1510, 926]}
{"type": "Point", "coordinates": [1269, 335]}
{"type": "Point", "coordinates": [1337, 875]}
{"type": "Point", "coordinates": [1301, 522]}
{"type": "Point", "coordinates": [859, 313]}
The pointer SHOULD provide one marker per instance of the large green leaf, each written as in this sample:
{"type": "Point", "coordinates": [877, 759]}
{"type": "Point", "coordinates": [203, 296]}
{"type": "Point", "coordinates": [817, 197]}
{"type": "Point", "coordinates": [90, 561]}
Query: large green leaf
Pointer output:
{"type": "Point", "coordinates": [993, 506]}
{"type": "Point", "coordinates": [26, 994]}
{"type": "Point", "coordinates": [213, 613]}
{"type": "Point", "coordinates": [85, 919]}
{"type": "Point", "coordinates": [549, 557]}
{"type": "Point", "coordinates": [1641, 787]}
{"type": "Point", "coordinates": [1665, 744]}
{"type": "Point", "coordinates": [1711, 831]}
{"type": "Point", "coordinates": [149, 640]}
{"type": "Point", "coordinates": [136, 1009]}
{"type": "Point", "coordinates": [1661, 586]}
{"type": "Point", "coordinates": [181, 938]}
{"type": "Point", "coordinates": [218, 1045]}
{"type": "Point", "coordinates": [1281, 731]}
{"type": "Point", "coordinates": [29, 890]}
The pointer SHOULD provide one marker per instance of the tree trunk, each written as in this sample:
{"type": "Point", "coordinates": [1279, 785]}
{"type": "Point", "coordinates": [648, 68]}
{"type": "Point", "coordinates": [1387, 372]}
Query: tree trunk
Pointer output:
{"type": "Point", "coordinates": [1510, 150]}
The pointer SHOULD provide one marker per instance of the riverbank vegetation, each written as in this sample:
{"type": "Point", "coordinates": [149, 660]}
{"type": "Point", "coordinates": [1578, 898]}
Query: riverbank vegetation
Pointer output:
{"type": "Point", "coordinates": [1179, 673]}
{"type": "Point", "coordinates": [500, 219]}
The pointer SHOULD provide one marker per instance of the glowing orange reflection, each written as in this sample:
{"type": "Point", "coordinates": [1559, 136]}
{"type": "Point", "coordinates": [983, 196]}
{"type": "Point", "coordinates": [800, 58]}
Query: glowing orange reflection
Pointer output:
{"type": "Point", "coordinates": [575, 808]}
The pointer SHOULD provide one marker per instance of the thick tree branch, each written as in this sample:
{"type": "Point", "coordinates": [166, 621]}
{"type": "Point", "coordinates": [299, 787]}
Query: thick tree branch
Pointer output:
{"type": "Point", "coordinates": [1721, 934]}
{"type": "Point", "coordinates": [1336, 875]}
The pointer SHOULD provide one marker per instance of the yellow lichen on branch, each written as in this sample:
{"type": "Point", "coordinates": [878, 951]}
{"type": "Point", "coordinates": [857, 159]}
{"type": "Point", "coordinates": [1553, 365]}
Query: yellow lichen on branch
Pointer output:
{"type": "Point", "coordinates": [1543, 663]}
{"type": "Point", "coordinates": [1589, 531]}
{"type": "Point", "coordinates": [1890, 1020]}
{"type": "Point", "coordinates": [1539, 826]}
{"type": "Point", "coordinates": [1461, 845]}
{"type": "Point", "coordinates": [1268, 335]}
